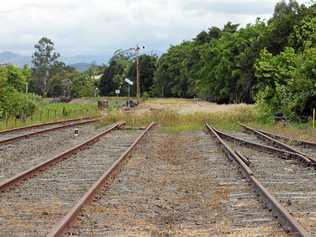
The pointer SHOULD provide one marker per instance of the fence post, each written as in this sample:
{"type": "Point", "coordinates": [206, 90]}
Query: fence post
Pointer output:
{"type": "Point", "coordinates": [314, 115]}
{"type": "Point", "coordinates": [6, 121]}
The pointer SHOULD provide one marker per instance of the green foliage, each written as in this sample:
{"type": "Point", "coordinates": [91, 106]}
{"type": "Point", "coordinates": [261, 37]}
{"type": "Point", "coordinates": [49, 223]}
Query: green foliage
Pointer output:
{"type": "Point", "coordinates": [286, 82]}
{"type": "Point", "coordinates": [272, 63]}
{"type": "Point", "coordinates": [13, 102]}
{"type": "Point", "coordinates": [174, 76]}
{"type": "Point", "coordinates": [83, 86]}
{"type": "Point", "coordinates": [43, 60]}
{"type": "Point", "coordinates": [114, 75]}
{"type": "Point", "coordinates": [48, 112]}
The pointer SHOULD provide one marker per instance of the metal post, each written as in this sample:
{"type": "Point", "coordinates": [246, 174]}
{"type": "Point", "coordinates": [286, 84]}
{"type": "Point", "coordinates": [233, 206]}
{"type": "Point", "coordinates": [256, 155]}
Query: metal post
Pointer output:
{"type": "Point", "coordinates": [137, 74]}
{"type": "Point", "coordinates": [314, 115]}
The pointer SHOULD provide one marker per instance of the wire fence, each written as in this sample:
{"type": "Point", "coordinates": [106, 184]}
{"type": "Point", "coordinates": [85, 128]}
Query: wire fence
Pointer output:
{"type": "Point", "coordinates": [44, 116]}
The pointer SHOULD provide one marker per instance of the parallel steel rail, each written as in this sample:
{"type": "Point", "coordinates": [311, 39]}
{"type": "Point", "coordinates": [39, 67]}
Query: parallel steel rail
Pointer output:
{"type": "Point", "coordinates": [287, 139]}
{"type": "Point", "coordinates": [13, 139]}
{"type": "Point", "coordinates": [42, 125]}
{"type": "Point", "coordinates": [277, 143]}
{"type": "Point", "coordinates": [281, 152]}
{"type": "Point", "coordinates": [45, 165]}
{"type": "Point", "coordinates": [288, 222]}
{"type": "Point", "coordinates": [62, 227]}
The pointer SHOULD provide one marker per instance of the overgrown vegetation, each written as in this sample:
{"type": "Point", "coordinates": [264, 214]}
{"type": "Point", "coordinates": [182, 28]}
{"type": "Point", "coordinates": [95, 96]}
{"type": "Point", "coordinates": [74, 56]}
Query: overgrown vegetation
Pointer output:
{"type": "Point", "coordinates": [272, 63]}
{"type": "Point", "coordinates": [13, 100]}
{"type": "Point", "coordinates": [174, 122]}
{"type": "Point", "coordinates": [47, 112]}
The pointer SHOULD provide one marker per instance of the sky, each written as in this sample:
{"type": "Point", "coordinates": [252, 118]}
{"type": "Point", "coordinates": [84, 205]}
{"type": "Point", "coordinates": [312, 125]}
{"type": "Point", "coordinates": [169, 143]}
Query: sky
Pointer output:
{"type": "Point", "coordinates": [99, 27]}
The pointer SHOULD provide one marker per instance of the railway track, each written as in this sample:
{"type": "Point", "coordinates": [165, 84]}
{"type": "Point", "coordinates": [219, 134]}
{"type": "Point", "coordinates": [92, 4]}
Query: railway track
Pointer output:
{"type": "Point", "coordinates": [292, 184]}
{"type": "Point", "coordinates": [306, 149]}
{"type": "Point", "coordinates": [13, 135]}
{"type": "Point", "coordinates": [41, 125]}
{"type": "Point", "coordinates": [23, 154]}
{"type": "Point", "coordinates": [34, 201]}
{"type": "Point", "coordinates": [175, 185]}
{"type": "Point", "coordinates": [290, 141]}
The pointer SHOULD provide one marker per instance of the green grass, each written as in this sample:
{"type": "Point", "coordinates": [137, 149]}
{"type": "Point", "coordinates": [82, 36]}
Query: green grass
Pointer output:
{"type": "Point", "coordinates": [51, 112]}
{"type": "Point", "coordinates": [173, 122]}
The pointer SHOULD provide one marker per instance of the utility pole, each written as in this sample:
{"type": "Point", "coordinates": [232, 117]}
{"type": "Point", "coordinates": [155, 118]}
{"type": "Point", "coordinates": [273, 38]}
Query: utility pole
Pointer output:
{"type": "Point", "coordinates": [137, 74]}
{"type": "Point", "coordinates": [136, 51]}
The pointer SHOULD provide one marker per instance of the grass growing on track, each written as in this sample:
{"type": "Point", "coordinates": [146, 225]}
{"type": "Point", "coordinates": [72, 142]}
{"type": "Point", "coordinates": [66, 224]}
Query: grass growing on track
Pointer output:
{"type": "Point", "coordinates": [174, 122]}
{"type": "Point", "coordinates": [300, 131]}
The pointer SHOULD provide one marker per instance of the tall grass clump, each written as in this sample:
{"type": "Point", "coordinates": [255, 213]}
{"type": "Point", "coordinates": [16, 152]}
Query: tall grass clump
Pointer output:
{"type": "Point", "coordinates": [174, 122]}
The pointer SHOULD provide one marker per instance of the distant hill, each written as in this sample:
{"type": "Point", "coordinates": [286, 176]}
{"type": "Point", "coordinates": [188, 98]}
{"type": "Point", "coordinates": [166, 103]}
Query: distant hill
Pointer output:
{"type": "Point", "coordinates": [80, 62]}
{"type": "Point", "coordinates": [13, 58]}
{"type": "Point", "coordinates": [81, 67]}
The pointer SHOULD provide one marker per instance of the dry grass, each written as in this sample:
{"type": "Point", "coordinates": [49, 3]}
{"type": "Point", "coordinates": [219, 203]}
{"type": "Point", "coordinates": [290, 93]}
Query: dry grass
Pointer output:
{"type": "Point", "coordinates": [292, 131]}
{"type": "Point", "coordinates": [174, 122]}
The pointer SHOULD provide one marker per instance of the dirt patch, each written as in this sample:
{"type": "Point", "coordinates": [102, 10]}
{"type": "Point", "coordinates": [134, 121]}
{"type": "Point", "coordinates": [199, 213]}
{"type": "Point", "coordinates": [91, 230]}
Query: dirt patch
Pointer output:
{"type": "Point", "coordinates": [185, 106]}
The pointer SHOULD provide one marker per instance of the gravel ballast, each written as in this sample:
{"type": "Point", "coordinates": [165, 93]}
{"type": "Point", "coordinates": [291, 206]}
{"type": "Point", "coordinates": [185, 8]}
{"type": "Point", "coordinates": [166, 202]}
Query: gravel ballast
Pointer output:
{"type": "Point", "coordinates": [177, 185]}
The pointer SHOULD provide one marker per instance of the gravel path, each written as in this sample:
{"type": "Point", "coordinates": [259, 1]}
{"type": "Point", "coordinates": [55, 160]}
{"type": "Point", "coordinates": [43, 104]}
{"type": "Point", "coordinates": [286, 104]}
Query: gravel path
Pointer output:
{"type": "Point", "coordinates": [289, 181]}
{"type": "Point", "coordinates": [177, 185]}
{"type": "Point", "coordinates": [34, 207]}
{"type": "Point", "coordinates": [23, 154]}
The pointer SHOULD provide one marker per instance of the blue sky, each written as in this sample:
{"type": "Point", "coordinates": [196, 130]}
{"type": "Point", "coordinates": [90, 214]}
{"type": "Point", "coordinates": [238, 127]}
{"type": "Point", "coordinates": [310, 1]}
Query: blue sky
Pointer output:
{"type": "Point", "coordinates": [99, 27]}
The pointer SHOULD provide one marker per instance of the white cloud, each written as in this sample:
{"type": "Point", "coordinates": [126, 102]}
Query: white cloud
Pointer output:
{"type": "Point", "coordinates": [101, 26]}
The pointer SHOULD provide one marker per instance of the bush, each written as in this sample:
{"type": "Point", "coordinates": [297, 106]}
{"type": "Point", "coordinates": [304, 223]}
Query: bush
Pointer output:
{"type": "Point", "coordinates": [18, 104]}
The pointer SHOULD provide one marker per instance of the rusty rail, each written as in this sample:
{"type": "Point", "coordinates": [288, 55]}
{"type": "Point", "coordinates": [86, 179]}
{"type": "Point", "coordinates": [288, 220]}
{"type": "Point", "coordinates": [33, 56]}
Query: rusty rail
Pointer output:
{"type": "Point", "coordinates": [285, 219]}
{"type": "Point", "coordinates": [66, 222]}
{"type": "Point", "coordinates": [42, 125]}
{"type": "Point", "coordinates": [45, 165]}
{"type": "Point", "coordinates": [281, 152]}
{"type": "Point", "coordinates": [287, 139]}
{"type": "Point", "coordinates": [12, 139]}
{"type": "Point", "coordinates": [277, 143]}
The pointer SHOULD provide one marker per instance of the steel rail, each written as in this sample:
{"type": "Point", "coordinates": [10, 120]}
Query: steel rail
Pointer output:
{"type": "Point", "coordinates": [276, 143]}
{"type": "Point", "coordinates": [288, 222]}
{"type": "Point", "coordinates": [287, 139]}
{"type": "Point", "coordinates": [45, 165]}
{"type": "Point", "coordinates": [71, 216]}
{"type": "Point", "coordinates": [12, 139]}
{"type": "Point", "coordinates": [282, 152]}
{"type": "Point", "coordinates": [38, 125]}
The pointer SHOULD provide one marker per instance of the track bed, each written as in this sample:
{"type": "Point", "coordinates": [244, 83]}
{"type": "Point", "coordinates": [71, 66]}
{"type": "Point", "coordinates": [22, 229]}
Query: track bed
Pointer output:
{"type": "Point", "coordinates": [292, 183]}
{"type": "Point", "coordinates": [177, 185]}
{"type": "Point", "coordinates": [13, 133]}
{"type": "Point", "coordinates": [32, 208]}
{"type": "Point", "coordinates": [23, 154]}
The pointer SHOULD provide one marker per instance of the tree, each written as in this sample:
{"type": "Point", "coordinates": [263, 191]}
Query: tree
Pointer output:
{"type": "Point", "coordinates": [281, 25]}
{"type": "Point", "coordinates": [114, 75]}
{"type": "Point", "coordinates": [13, 102]}
{"type": "Point", "coordinates": [61, 80]}
{"type": "Point", "coordinates": [43, 60]}
{"type": "Point", "coordinates": [174, 76]}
